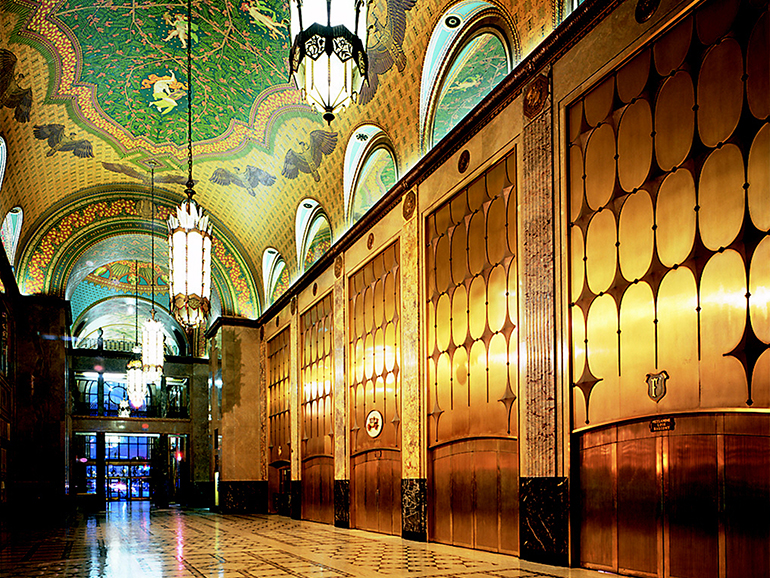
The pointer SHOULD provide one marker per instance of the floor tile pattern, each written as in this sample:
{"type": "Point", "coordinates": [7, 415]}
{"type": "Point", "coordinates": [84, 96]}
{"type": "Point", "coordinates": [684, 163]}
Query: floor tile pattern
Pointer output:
{"type": "Point", "coordinates": [132, 540]}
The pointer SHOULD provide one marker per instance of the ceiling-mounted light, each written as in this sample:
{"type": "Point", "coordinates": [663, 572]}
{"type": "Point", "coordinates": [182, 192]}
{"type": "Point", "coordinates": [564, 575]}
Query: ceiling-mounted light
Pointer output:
{"type": "Point", "coordinates": [328, 60]}
{"type": "Point", "coordinates": [152, 334]}
{"type": "Point", "coordinates": [135, 378]}
{"type": "Point", "coordinates": [189, 239]}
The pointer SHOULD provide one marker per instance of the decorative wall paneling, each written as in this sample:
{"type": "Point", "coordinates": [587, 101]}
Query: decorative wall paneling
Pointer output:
{"type": "Point", "coordinates": [374, 306]}
{"type": "Point", "coordinates": [693, 501]}
{"type": "Point", "coordinates": [472, 345]}
{"type": "Point", "coordinates": [669, 195]}
{"type": "Point", "coordinates": [279, 447]}
{"type": "Point", "coordinates": [317, 412]}
{"type": "Point", "coordinates": [669, 213]}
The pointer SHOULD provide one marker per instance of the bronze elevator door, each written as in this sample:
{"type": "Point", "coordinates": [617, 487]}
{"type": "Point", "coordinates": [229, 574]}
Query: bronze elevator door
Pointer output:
{"type": "Point", "coordinates": [474, 495]}
{"type": "Point", "coordinates": [375, 488]}
{"type": "Point", "coordinates": [693, 502]}
{"type": "Point", "coordinates": [318, 489]}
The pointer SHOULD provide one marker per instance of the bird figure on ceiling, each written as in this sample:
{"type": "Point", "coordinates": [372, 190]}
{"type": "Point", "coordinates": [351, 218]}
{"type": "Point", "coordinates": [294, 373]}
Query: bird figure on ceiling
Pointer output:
{"type": "Point", "coordinates": [130, 171]}
{"type": "Point", "coordinates": [308, 159]}
{"type": "Point", "coordinates": [249, 180]}
{"type": "Point", "coordinates": [12, 95]}
{"type": "Point", "coordinates": [383, 45]}
{"type": "Point", "coordinates": [58, 141]}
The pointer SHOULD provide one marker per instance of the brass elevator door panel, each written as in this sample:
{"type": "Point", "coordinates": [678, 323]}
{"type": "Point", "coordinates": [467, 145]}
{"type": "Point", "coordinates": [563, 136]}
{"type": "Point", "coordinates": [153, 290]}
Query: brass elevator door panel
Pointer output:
{"type": "Point", "coordinates": [318, 489]}
{"type": "Point", "coordinates": [375, 488]}
{"type": "Point", "coordinates": [473, 488]}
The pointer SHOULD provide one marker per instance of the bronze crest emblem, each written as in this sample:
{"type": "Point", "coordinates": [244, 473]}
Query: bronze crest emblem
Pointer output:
{"type": "Point", "coordinates": [656, 385]}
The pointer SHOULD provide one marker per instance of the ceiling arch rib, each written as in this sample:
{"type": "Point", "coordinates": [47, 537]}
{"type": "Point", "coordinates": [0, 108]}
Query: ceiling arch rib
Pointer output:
{"type": "Point", "coordinates": [67, 234]}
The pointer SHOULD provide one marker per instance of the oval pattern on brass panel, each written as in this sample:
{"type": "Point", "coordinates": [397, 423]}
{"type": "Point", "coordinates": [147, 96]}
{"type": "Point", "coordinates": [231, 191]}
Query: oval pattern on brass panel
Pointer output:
{"type": "Point", "coordinates": [633, 76]}
{"type": "Point", "coordinates": [459, 315]}
{"type": "Point", "coordinates": [714, 19]}
{"type": "Point", "coordinates": [759, 179]}
{"type": "Point", "coordinates": [601, 251]}
{"type": "Point", "coordinates": [431, 327]}
{"type": "Point", "coordinates": [379, 303]}
{"type": "Point", "coordinates": [477, 298]}
{"type": "Point", "coordinates": [599, 101]}
{"type": "Point", "coordinates": [578, 343]}
{"type": "Point", "coordinates": [369, 356]}
{"type": "Point", "coordinates": [674, 120]}
{"type": "Point", "coordinates": [577, 269]}
{"type": "Point", "coordinates": [678, 332]}
{"type": "Point", "coordinates": [391, 346]}
{"type": "Point", "coordinates": [496, 240]}
{"type": "Point", "coordinates": [720, 92]}
{"type": "Point", "coordinates": [498, 369]}
{"type": "Point", "coordinates": [636, 236]}
{"type": "Point", "coordinates": [669, 52]}
{"type": "Point", "coordinates": [637, 342]}
{"type": "Point", "coordinates": [477, 246]}
{"type": "Point", "coordinates": [634, 145]}
{"type": "Point", "coordinates": [723, 303]}
{"type": "Point", "coordinates": [497, 298]}
{"type": "Point", "coordinates": [443, 271]}
{"type": "Point", "coordinates": [379, 351]}
{"type": "Point", "coordinates": [759, 287]}
{"type": "Point", "coordinates": [758, 82]}
{"type": "Point", "coordinates": [576, 182]}
{"type": "Point", "coordinates": [511, 223]}
{"type": "Point", "coordinates": [600, 166]}
{"type": "Point", "coordinates": [602, 347]}
{"type": "Point", "coordinates": [443, 322]}
{"type": "Point", "coordinates": [513, 293]}
{"type": "Point", "coordinates": [675, 217]}
{"type": "Point", "coordinates": [460, 372]}
{"type": "Point", "coordinates": [721, 197]}
{"type": "Point", "coordinates": [459, 254]}
{"type": "Point", "coordinates": [369, 309]}
{"type": "Point", "coordinates": [391, 296]}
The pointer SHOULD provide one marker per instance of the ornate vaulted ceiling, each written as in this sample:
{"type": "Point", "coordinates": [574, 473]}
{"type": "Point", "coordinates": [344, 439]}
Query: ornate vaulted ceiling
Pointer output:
{"type": "Point", "coordinates": [95, 93]}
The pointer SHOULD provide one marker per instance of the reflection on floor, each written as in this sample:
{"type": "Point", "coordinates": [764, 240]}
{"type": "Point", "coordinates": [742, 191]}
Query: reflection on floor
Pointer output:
{"type": "Point", "coordinates": [132, 540]}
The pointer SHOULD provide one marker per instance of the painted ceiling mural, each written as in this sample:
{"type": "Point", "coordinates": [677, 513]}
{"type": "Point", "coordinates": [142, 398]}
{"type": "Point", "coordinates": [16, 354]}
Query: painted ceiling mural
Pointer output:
{"type": "Point", "coordinates": [92, 92]}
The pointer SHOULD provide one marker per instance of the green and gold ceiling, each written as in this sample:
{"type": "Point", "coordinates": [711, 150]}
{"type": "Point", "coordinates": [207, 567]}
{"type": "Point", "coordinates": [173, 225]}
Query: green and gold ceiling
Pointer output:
{"type": "Point", "coordinates": [95, 92]}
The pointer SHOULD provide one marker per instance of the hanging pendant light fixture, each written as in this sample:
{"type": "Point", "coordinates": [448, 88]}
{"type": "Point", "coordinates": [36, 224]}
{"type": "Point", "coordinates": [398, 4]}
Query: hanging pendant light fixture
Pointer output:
{"type": "Point", "coordinates": [152, 334]}
{"type": "Point", "coordinates": [189, 240]}
{"type": "Point", "coordinates": [328, 60]}
{"type": "Point", "coordinates": [135, 386]}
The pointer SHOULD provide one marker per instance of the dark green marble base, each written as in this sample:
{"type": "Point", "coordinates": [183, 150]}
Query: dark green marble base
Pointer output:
{"type": "Point", "coordinates": [342, 503]}
{"type": "Point", "coordinates": [414, 509]}
{"type": "Point", "coordinates": [243, 497]}
{"type": "Point", "coordinates": [295, 500]}
{"type": "Point", "coordinates": [543, 520]}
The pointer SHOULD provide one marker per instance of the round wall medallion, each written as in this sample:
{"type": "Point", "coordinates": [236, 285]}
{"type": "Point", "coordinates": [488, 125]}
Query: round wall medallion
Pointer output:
{"type": "Point", "coordinates": [535, 96]}
{"type": "Point", "coordinates": [374, 423]}
{"type": "Point", "coordinates": [464, 161]}
{"type": "Point", "coordinates": [370, 241]}
{"type": "Point", "coordinates": [645, 9]}
{"type": "Point", "coordinates": [315, 289]}
{"type": "Point", "coordinates": [452, 21]}
{"type": "Point", "coordinates": [338, 264]}
{"type": "Point", "coordinates": [410, 202]}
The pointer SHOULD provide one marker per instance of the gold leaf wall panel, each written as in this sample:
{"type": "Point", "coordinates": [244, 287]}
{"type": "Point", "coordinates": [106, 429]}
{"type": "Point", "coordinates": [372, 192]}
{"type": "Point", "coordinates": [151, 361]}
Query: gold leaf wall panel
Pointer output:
{"type": "Point", "coordinates": [278, 396]}
{"type": "Point", "coordinates": [317, 366]}
{"type": "Point", "coordinates": [374, 346]}
{"type": "Point", "coordinates": [669, 203]}
{"type": "Point", "coordinates": [472, 288]}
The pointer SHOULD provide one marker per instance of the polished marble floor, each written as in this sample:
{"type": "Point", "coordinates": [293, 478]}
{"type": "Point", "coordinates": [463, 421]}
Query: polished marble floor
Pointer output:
{"type": "Point", "coordinates": [132, 540]}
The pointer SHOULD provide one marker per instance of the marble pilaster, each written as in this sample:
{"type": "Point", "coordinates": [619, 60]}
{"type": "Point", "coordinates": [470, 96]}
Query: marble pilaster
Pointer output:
{"type": "Point", "coordinates": [341, 457]}
{"type": "Point", "coordinates": [413, 412]}
{"type": "Point", "coordinates": [537, 395]}
{"type": "Point", "coordinates": [294, 401]}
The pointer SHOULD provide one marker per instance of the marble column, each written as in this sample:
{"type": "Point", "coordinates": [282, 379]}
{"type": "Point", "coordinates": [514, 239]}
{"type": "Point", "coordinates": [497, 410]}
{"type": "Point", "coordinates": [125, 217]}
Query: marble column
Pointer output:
{"type": "Point", "coordinates": [243, 479]}
{"type": "Point", "coordinates": [543, 489]}
{"type": "Point", "coordinates": [295, 499]}
{"type": "Point", "coordinates": [341, 451]}
{"type": "Point", "coordinates": [414, 494]}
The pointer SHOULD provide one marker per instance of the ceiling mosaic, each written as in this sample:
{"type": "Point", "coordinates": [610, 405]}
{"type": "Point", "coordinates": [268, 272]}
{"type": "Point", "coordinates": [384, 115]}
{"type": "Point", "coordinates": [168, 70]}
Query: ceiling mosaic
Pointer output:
{"type": "Point", "coordinates": [93, 92]}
